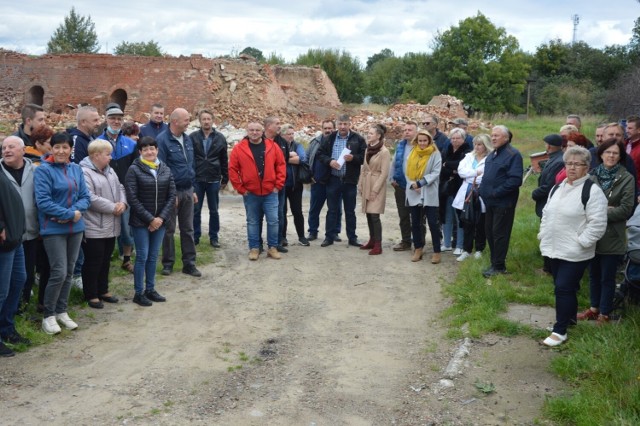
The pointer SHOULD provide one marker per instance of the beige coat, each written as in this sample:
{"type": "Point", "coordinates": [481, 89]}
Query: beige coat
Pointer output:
{"type": "Point", "coordinates": [373, 179]}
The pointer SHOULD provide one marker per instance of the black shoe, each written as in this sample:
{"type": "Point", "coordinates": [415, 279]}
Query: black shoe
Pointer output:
{"type": "Point", "coordinates": [327, 242]}
{"type": "Point", "coordinates": [166, 271]}
{"type": "Point", "coordinates": [141, 300]}
{"type": "Point", "coordinates": [15, 338]}
{"type": "Point", "coordinates": [312, 236]}
{"type": "Point", "coordinates": [355, 243]}
{"type": "Point", "coordinates": [337, 239]}
{"type": "Point", "coordinates": [95, 305]}
{"type": "Point", "coordinates": [154, 296]}
{"type": "Point", "coordinates": [214, 243]}
{"type": "Point", "coordinates": [284, 242]}
{"type": "Point", "coordinates": [191, 270]}
{"type": "Point", "coordinates": [303, 241]}
{"type": "Point", "coordinates": [196, 241]}
{"type": "Point", "coordinates": [109, 299]}
{"type": "Point", "coordinates": [493, 271]}
{"type": "Point", "coordinates": [5, 351]}
{"type": "Point", "coordinates": [281, 249]}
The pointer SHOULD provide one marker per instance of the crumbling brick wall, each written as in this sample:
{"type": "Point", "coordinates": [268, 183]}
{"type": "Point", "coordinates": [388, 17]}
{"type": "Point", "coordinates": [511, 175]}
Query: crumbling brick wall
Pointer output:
{"type": "Point", "coordinates": [237, 90]}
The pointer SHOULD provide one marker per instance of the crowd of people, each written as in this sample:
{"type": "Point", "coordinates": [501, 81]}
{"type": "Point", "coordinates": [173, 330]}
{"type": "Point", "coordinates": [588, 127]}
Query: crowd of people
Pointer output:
{"type": "Point", "coordinates": [69, 199]}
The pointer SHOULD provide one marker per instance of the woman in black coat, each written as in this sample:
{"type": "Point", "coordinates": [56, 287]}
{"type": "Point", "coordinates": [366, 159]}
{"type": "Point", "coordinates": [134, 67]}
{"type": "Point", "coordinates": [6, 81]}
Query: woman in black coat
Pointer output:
{"type": "Point", "coordinates": [151, 193]}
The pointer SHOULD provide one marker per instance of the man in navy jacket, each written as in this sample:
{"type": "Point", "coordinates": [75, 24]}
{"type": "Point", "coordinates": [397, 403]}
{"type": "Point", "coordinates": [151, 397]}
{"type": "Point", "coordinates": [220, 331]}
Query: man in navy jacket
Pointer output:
{"type": "Point", "coordinates": [499, 190]}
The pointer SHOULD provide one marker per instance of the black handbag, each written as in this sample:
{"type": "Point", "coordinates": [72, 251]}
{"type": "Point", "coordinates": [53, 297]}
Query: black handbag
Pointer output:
{"type": "Point", "coordinates": [472, 209]}
{"type": "Point", "coordinates": [304, 173]}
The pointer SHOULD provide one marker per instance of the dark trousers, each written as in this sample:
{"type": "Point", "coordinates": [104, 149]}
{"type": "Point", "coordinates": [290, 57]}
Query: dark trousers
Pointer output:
{"type": "Point", "coordinates": [316, 203]}
{"type": "Point", "coordinates": [95, 270]}
{"type": "Point", "coordinates": [418, 230]}
{"type": "Point", "coordinates": [42, 265]}
{"type": "Point", "coordinates": [375, 227]}
{"type": "Point", "coordinates": [404, 212]}
{"type": "Point", "coordinates": [183, 214]}
{"type": "Point", "coordinates": [566, 279]}
{"type": "Point", "coordinates": [30, 251]}
{"type": "Point", "coordinates": [212, 192]}
{"type": "Point", "coordinates": [498, 225]}
{"type": "Point", "coordinates": [294, 197]}
{"type": "Point", "coordinates": [337, 189]}
{"type": "Point", "coordinates": [602, 281]}
{"type": "Point", "coordinates": [474, 233]}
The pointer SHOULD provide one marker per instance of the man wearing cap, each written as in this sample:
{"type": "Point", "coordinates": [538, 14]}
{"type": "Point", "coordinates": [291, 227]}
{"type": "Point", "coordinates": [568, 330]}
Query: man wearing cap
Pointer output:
{"type": "Point", "coordinates": [156, 124]}
{"type": "Point", "coordinates": [463, 124]}
{"type": "Point", "coordinates": [175, 148]}
{"type": "Point", "coordinates": [122, 156]}
{"type": "Point", "coordinates": [32, 118]}
{"type": "Point", "coordinates": [547, 179]}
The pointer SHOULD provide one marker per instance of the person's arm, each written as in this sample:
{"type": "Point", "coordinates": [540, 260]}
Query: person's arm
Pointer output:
{"type": "Point", "coordinates": [280, 169]}
{"type": "Point", "coordinates": [596, 213]}
{"type": "Point", "coordinates": [625, 208]}
{"type": "Point", "coordinates": [97, 203]}
{"type": "Point", "coordinates": [132, 190]}
{"type": "Point", "coordinates": [513, 179]}
{"type": "Point", "coordinates": [381, 181]}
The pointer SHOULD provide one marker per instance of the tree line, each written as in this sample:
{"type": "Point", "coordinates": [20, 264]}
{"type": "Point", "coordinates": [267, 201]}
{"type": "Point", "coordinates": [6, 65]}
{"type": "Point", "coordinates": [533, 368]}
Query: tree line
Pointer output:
{"type": "Point", "coordinates": [475, 61]}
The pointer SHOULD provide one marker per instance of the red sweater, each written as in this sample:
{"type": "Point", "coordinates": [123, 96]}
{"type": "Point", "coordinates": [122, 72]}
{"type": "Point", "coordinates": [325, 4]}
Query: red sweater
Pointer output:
{"type": "Point", "coordinates": [243, 171]}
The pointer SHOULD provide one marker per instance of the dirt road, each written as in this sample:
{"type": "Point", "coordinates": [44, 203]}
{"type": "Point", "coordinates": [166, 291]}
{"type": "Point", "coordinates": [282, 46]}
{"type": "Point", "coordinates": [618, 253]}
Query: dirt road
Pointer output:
{"type": "Point", "coordinates": [325, 336]}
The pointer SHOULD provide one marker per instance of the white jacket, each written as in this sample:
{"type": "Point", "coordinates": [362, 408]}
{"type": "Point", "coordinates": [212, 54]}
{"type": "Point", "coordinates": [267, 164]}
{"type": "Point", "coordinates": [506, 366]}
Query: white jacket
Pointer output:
{"type": "Point", "coordinates": [468, 173]}
{"type": "Point", "coordinates": [569, 231]}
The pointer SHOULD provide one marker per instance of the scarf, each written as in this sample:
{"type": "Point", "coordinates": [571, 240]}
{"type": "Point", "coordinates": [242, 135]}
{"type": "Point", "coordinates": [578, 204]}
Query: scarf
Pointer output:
{"type": "Point", "coordinates": [373, 150]}
{"type": "Point", "coordinates": [605, 176]}
{"type": "Point", "coordinates": [417, 162]}
{"type": "Point", "coordinates": [152, 165]}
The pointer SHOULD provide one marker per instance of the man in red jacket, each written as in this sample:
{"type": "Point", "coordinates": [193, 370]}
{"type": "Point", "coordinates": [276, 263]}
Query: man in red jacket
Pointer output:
{"type": "Point", "coordinates": [257, 170]}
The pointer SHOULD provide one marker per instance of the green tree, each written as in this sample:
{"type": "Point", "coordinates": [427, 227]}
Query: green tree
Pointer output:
{"type": "Point", "coordinates": [275, 59]}
{"type": "Point", "coordinates": [384, 81]}
{"type": "Point", "coordinates": [143, 48]}
{"type": "Point", "coordinates": [551, 59]}
{"type": "Point", "coordinates": [383, 54]}
{"type": "Point", "coordinates": [480, 64]}
{"type": "Point", "coordinates": [252, 51]}
{"type": "Point", "coordinates": [77, 34]}
{"type": "Point", "coordinates": [343, 69]}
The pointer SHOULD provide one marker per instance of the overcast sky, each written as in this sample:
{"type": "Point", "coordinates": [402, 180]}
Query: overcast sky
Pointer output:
{"type": "Point", "coordinates": [290, 28]}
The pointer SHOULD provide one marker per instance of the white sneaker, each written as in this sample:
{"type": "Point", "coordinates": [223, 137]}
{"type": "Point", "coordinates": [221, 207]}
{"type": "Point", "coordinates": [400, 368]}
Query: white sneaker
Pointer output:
{"type": "Point", "coordinates": [76, 281]}
{"type": "Point", "coordinates": [477, 255]}
{"type": "Point", "coordinates": [50, 325]}
{"type": "Point", "coordinates": [445, 248]}
{"type": "Point", "coordinates": [463, 256]}
{"type": "Point", "coordinates": [457, 252]}
{"type": "Point", "coordinates": [68, 323]}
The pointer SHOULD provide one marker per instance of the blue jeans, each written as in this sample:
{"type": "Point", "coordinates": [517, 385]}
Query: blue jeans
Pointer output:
{"type": "Point", "coordinates": [337, 191]}
{"type": "Point", "coordinates": [13, 275]}
{"type": "Point", "coordinates": [62, 251]}
{"type": "Point", "coordinates": [566, 279]}
{"type": "Point", "coordinates": [257, 206]}
{"type": "Point", "coordinates": [212, 190]}
{"type": "Point", "coordinates": [316, 203]}
{"type": "Point", "coordinates": [451, 218]}
{"type": "Point", "coordinates": [147, 248]}
{"type": "Point", "coordinates": [602, 281]}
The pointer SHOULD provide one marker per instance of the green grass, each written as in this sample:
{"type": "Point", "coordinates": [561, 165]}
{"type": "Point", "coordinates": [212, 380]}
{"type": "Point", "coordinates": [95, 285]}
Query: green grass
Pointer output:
{"type": "Point", "coordinates": [600, 365]}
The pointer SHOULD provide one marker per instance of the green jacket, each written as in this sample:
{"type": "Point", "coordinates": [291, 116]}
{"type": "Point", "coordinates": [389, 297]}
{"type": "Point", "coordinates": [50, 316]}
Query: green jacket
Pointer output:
{"type": "Point", "coordinates": [620, 199]}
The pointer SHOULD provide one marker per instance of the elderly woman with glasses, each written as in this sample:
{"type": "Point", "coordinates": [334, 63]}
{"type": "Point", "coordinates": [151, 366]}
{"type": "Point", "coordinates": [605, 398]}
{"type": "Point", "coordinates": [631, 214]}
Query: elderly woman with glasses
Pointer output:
{"type": "Point", "coordinates": [573, 220]}
{"type": "Point", "coordinates": [619, 187]}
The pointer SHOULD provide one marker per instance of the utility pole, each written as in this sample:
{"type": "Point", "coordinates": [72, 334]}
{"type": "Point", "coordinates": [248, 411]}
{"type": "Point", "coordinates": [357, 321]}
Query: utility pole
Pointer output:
{"type": "Point", "coordinates": [576, 21]}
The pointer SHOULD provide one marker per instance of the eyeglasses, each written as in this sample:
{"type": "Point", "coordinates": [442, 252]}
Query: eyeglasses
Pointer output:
{"type": "Point", "coordinates": [574, 165]}
{"type": "Point", "coordinates": [426, 123]}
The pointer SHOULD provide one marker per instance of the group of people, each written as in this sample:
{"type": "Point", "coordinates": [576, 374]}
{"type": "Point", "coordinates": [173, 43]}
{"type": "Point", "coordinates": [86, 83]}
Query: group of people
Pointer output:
{"type": "Point", "coordinates": [585, 196]}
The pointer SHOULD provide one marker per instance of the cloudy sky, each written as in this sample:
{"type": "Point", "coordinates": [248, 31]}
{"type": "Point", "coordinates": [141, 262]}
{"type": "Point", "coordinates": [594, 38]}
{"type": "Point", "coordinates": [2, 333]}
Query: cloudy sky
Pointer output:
{"type": "Point", "coordinates": [289, 28]}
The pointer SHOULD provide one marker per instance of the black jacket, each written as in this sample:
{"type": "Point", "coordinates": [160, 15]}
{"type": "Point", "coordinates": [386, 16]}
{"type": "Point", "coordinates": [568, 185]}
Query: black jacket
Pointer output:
{"type": "Point", "coordinates": [212, 166]}
{"type": "Point", "coordinates": [148, 196]}
{"type": "Point", "coordinates": [12, 216]}
{"type": "Point", "coordinates": [547, 180]}
{"type": "Point", "coordinates": [450, 161]}
{"type": "Point", "coordinates": [356, 144]}
{"type": "Point", "coordinates": [22, 135]}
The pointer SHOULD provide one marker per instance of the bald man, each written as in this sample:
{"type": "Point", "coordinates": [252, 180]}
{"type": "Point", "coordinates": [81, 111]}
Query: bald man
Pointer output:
{"type": "Point", "coordinates": [88, 121]}
{"type": "Point", "coordinates": [175, 148]}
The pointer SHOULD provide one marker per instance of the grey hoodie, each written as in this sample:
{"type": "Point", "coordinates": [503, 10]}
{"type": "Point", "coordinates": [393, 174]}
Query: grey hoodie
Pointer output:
{"type": "Point", "coordinates": [27, 194]}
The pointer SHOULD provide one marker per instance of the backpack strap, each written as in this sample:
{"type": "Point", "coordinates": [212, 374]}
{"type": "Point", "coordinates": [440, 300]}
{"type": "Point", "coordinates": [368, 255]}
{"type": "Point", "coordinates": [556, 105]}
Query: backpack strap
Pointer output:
{"type": "Point", "coordinates": [586, 192]}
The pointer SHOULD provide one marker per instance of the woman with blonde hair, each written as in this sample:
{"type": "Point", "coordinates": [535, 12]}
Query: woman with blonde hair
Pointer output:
{"type": "Point", "coordinates": [373, 185]}
{"type": "Point", "coordinates": [422, 170]}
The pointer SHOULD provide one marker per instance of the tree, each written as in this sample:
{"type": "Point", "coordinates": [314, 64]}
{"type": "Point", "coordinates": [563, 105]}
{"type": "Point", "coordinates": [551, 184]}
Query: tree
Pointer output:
{"type": "Point", "coordinates": [143, 48]}
{"type": "Point", "coordinates": [275, 59]}
{"type": "Point", "coordinates": [252, 51]}
{"type": "Point", "coordinates": [343, 69]}
{"type": "Point", "coordinates": [77, 34]}
{"type": "Point", "coordinates": [383, 54]}
{"type": "Point", "coordinates": [480, 64]}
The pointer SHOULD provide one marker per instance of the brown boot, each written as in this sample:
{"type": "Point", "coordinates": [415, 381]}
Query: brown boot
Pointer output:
{"type": "Point", "coordinates": [435, 258]}
{"type": "Point", "coordinates": [368, 246]}
{"type": "Point", "coordinates": [417, 255]}
{"type": "Point", "coordinates": [377, 248]}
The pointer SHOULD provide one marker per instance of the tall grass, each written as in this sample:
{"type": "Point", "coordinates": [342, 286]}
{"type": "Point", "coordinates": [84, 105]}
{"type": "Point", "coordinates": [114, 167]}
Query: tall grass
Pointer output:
{"type": "Point", "coordinates": [601, 365]}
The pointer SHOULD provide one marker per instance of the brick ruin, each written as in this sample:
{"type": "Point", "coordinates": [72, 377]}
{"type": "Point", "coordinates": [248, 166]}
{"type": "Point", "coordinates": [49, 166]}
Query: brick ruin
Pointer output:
{"type": "Point", "coordinates": [238, 90]}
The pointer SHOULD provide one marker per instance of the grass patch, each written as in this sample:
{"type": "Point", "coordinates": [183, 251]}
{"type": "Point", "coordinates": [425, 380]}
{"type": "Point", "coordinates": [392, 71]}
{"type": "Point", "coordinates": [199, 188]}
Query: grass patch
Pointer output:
{"type": "Point", "coordinates": [601, 365]}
